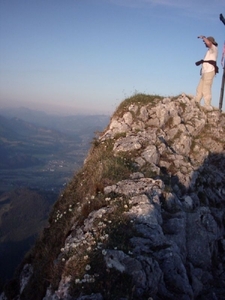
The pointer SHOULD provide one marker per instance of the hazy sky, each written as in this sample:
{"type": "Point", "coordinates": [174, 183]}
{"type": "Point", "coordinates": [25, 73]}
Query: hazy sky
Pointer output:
{"type": "Point", "coordinates": [89, 55]}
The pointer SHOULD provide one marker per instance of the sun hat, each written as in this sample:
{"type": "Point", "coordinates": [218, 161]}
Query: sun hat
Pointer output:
{"type": "Point", "coordinates": [211, 39]}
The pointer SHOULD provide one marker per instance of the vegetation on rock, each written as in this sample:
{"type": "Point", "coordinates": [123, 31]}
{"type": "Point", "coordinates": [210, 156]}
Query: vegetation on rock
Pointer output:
{"type": "Point", "coordinates": [144, 217]}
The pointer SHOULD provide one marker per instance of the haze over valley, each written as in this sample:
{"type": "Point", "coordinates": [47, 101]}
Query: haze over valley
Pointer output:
{"type": "Point", "coordinates": [39, 153]}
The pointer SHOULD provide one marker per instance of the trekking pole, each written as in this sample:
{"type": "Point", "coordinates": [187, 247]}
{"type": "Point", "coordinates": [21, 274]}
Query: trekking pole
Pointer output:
{"type": "Point", "coordinates": [222, 19]}
{"type": "Point", "coordinates": [222, 91]}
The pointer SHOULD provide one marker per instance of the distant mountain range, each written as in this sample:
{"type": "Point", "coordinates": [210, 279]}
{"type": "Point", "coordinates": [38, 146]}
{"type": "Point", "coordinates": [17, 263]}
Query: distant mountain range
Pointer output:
{"type": "Point", "coordinates": [74, 124]}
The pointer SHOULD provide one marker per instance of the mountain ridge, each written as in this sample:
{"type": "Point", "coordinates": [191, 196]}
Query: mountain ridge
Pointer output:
{"type": "Point", "coordinates": [144, 217]}
{"type": "Point", "coordinates": [69, 124]}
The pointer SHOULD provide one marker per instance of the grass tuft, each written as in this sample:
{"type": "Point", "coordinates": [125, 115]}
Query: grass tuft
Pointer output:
{"type": "Point", "coordinates": [137, 99]}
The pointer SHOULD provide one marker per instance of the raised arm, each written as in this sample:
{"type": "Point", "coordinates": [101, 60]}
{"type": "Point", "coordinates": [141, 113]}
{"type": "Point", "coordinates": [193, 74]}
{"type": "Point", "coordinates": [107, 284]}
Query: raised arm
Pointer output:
{"type": "Point", "coordinates": [206, 41]}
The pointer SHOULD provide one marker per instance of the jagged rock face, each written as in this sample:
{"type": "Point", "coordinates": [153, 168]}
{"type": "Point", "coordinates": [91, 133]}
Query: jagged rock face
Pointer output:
{"type": "Point", "coordinates": [160, 236]}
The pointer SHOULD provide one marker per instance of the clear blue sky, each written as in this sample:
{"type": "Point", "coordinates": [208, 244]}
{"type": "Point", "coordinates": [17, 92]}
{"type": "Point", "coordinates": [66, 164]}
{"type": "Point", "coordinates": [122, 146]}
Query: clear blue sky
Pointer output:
{"type": "Point", "coordinates": [88, 55]}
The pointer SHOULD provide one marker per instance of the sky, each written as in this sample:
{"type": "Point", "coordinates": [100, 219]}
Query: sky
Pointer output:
{"type": "Point", "coordinates": [87, 56]}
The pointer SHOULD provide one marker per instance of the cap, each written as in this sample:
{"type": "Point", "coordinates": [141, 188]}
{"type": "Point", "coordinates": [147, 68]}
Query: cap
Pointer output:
{"type": "Point", "coordinates": [211, 39]}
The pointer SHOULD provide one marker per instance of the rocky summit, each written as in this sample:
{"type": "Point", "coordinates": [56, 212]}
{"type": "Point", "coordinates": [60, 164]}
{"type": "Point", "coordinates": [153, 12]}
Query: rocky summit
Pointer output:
{"type": "Point", "coordinates": [144, 218]}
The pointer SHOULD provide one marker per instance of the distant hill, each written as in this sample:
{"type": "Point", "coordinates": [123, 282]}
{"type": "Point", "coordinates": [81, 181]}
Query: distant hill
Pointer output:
{"type": "Point", "coordinates": [74, 124]}
{"type": "Point", "coordinates": [23, 144]}
{"type": "Point", "coordinates": [7, 130]}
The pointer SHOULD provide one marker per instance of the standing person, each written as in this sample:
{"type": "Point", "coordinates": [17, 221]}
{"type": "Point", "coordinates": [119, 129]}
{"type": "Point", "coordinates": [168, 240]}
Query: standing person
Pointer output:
{"type": "Point", "coordinates": [208, 71]}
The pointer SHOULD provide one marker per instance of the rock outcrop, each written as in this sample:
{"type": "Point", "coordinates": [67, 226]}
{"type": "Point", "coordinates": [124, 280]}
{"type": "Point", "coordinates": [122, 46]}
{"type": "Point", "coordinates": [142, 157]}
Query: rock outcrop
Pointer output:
{"type": "Point", "coordinates": [145, 216]}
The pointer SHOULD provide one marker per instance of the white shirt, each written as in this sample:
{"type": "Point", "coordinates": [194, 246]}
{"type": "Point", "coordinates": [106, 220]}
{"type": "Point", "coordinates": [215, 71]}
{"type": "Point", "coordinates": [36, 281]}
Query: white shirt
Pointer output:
{"type": "Point", "coordinates": [211, 54]}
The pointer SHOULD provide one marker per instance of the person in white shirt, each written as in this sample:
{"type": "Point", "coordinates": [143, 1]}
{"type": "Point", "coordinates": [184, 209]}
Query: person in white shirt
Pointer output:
{"type": "Point", "coordinates": [208, 71]}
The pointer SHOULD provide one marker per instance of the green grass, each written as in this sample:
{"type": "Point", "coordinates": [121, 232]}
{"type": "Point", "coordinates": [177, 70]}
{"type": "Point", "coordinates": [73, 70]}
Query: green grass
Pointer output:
{"type": "Point", "coordinates": [139, 100]}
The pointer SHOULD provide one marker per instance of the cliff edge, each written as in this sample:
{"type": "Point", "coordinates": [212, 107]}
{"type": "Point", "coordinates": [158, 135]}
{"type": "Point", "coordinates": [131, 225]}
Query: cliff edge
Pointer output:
{"type": "Point", "coordinates": [144, 217]}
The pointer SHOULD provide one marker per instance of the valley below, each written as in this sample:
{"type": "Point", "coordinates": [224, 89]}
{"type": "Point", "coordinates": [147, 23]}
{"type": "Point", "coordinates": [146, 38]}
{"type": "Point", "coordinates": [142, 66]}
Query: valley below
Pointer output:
{"type": "Point", "coordinates": [39, 154]}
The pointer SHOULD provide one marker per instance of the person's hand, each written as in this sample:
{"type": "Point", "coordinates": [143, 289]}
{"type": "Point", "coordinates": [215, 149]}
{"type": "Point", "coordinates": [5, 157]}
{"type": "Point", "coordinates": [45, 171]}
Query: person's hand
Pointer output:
{"type": "Point", "coordinates": [201, 37]}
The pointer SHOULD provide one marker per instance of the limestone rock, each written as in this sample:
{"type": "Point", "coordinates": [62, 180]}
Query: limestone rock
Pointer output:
{"type": "Point", "coordinates": [157, 233]}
